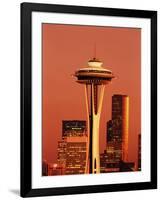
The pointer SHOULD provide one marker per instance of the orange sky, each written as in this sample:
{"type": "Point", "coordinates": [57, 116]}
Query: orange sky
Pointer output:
{"type": "Point", "coordinates": [67, 48]}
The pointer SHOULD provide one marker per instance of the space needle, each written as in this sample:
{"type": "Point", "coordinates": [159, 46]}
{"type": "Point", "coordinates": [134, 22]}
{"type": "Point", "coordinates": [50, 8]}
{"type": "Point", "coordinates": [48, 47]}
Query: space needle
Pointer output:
{"type": "Point", "coordinates": [94, 77]}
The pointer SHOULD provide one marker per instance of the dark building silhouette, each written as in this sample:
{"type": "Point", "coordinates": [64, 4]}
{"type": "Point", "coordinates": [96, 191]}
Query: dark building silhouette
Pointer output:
{"type": "Point", "coordinates": [139, 152]}
{"type": "Point", "coordinates": [54, 169]}
{"type": "Point", "coordinates": [110, 164]}
{"type": "Point", "coordinates": [59, 170]}
{"type": "Point", "coordinates": [115, 157]}
{"type": "Point", "coordinates": [118, 127]}
{"type": "Point", "coordinates": [44, 168]}
{"type": "Point", "coordinates": [126, 166]}
{"type": "Point", "coordinates": [109, 135]}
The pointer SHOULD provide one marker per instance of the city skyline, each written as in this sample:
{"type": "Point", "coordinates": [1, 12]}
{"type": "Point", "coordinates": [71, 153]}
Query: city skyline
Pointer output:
{"type": "Point", "coordinates": [62, 99]}
{"type": "Point", "coordinates": [72, 149]}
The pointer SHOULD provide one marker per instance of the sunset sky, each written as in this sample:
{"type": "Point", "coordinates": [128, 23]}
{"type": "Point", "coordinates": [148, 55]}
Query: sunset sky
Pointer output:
{"type": "Point", "coordinates": [67, 48]}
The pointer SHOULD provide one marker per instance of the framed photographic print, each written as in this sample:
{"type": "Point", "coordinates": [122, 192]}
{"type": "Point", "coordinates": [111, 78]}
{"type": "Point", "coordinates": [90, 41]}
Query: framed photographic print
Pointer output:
{"type": "Point", "coordinates": [88, 99]}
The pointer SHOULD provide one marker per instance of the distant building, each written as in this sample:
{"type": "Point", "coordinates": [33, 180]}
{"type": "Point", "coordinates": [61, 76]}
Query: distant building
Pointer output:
{"type": "Point", "coordinates": [73, 147]}
{"type": "Point", "coordinates": [127, 166]}
{"type": "Point", "coordinates": [58, 170]}
{"type": "Point", "coordinates": [115, 157]}
{"type": "Point", "coordinates": [110, 159]}
{"type": "Point", "coordinates": [44, 168]}
{"type": "Point", "coordinates": [109, 135]}
{"type": "Point", "coordinates": [76, 155]}
{"type": "Point", "coordinates": [114, 151]}
{"type": "Point", "coordinates": [118, 127]}
{"type": "Point", "coordinates": [50, 169]}
{"type": "Point", "coordinates": [73, 128]}
{"type": "Point", "coordinates": [55, 169]}
{"type": "Point", "coordinates": [139, 152]}
{"type": "Point", "coordinates": [108, 163]}
{"type": "Point", "coordinates": [61, 156]}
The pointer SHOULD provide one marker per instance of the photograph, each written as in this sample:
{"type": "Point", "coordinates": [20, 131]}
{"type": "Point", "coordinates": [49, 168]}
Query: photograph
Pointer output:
{"type": "Point", "coordinates": [91, 99]}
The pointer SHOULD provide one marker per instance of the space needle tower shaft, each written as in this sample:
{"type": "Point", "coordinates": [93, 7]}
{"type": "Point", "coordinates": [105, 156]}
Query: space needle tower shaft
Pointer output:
{"type": "Point", "coordinates": [94, 77]}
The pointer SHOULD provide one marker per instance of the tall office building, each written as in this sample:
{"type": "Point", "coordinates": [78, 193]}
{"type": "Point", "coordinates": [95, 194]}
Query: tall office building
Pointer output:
{"type": "Point", "coordinates": [109, 135]}
{"type": "Point", "coordinates": [61, 156]}
{"type": "Point", "coordinates": [73, 147]}
{"type": "Point", "coordinates": [72, 128]}
{"type": "Point", "coordinates": [118, 127]}
{"type": "Point", "coordinates": [76, 155]}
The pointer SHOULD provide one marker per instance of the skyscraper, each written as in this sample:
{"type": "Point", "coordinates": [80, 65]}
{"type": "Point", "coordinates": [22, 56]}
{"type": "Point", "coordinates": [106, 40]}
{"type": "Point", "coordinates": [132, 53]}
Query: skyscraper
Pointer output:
{"type": "Point", "coordinates": [73, 128]}
{"type": "Point", "coordinates": [61, 156]}
{"type": "Point", "coordinates": [73, 147]}
{"type": "Point", "coordinates": [109, 135]}
{"type": "Point", "coordinates": [76, 155]}
{"type": "Point", "coordinates": [94, 77]}
{"type": "Point", "coordinates": [118, 127]}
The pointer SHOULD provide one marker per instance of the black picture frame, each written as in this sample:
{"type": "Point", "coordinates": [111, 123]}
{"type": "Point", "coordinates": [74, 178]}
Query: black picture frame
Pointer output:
{"type": "Point", "coordinates": [26, 102]}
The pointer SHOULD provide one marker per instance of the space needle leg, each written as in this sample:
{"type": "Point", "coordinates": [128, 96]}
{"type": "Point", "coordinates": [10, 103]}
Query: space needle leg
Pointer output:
{"type": "Point", "coordinates": [87, 146]}
{"type": "Point", "coordinates": [96, 112]}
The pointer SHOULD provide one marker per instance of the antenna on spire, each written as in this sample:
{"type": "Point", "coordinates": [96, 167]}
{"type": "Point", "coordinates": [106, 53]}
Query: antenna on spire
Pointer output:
{"type": "Point", "coordinates": [95, 50]}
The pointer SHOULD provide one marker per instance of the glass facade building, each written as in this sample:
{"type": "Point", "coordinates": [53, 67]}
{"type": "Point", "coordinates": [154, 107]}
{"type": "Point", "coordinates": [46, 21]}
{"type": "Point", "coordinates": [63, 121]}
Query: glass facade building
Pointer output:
{"type": "Point", "coordinates": [72, 148]}
{"type": "Point", "coordinates": [118, 126]}
{"type": "Point", "coordinates": [73, 128]}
